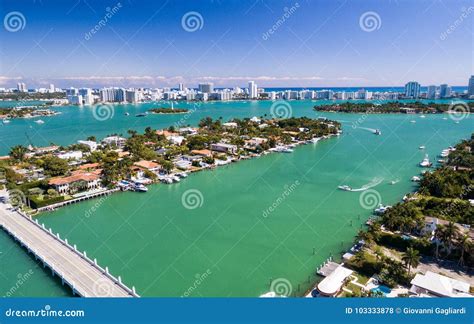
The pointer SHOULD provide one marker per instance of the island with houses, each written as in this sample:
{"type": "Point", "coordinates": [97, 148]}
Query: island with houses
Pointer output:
{"type": "Point", "coordinates": [46, 178]}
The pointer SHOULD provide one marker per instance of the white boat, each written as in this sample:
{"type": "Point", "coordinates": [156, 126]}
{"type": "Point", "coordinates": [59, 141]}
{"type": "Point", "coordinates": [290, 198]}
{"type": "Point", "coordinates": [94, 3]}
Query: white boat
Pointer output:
{"type": "Point", "coordinates": [175, 178]}
{"type": "Point", "coordinates": [422, 116]}
{"type": "Point", "coordinates": [426, 162]}
{"type": "Point", "coordinates": [139, 187]}
{"type": "Point", "coordinates": [6, 121]}
{"type": "Point", "coordinates": [381, 209]}
{"type": "Point", "coordinates": [39, 121]}
{"type": "Point", "coordinates": [315, 140]}
{"type": "Point", "coordinates": [166, 180]}
{"type": "Point", "coordinates": [415, 179]}
{"type": "Point", "coordinates": [377, 132]}
{"type": "Point", "coordinates": [441, 161]}
{"type": "Point", "coordinates": [345, 188]}
{"type": "Point", "coordinates": [127, 114]}
{"type": "Point", "coordinates": [283, 149]}
{"type": "Point", "coordinates": [422, 147]}
{"type": "Point", "coordinates": [444, 118]}
{"type": "Point", "coordinates": [413, 121]}
{"type": "Point", "coordinates": [182, 175]}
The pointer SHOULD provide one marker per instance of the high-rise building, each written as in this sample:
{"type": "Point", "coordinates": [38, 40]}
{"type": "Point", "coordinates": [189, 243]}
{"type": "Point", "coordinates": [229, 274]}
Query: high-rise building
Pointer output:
{"type": "Point", "coordinates": [72, 92]}
{"type": "Point", "coordinates": [112, 95]}
{"type": "Point", "coordinates": [431, 92]}
{"type": "Point", "coordinates": [132, 95]}
{"type": "Point", "coordinates": [21, 87]}
{"type": "Point", "coordinates": [253, 94]}
{"type": "Point", "coordinates": [180, 87]}
{"type": "Point", "coordinates": [412, 89]}
{"type": "Point", "coordinates": [470, 87]}
{"type": "Point", "coordinates": [206, 87]}
{"type": "Point", "coordinates": [52, 88]}
{"type": "Point", "coordinates": [444, 91]}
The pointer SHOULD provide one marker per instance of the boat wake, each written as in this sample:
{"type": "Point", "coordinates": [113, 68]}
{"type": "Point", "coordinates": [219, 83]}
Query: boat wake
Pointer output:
{"type": "Point", "coordinates": [394, 181]}
{"type": "Point", "coordinates": [372, 130]}
{"type": "Point", "coordinates": [371, 184]}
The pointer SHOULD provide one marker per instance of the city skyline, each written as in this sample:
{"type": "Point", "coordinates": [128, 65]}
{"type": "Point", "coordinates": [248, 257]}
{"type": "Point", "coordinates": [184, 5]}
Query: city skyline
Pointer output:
{"type": "Point", "coordinates": [289, 45]}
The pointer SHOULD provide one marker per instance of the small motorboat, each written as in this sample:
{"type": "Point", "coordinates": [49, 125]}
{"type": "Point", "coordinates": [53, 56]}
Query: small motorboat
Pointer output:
{"type": "Point", "coordinates": [381, 209]}
{"type": "Point", "coordinates": [413, 121]}
{"type": "Point", "coordinates": [378, 132]}
{"type": "Point", "coordinates": [127, 114]}
{"type": "Point", "coordinates": [39, 121]}
{"type": "Point", "coordinates": [422, 147]}
{"type": "Point", "coordinates": [345, 188]}
{"type": "Point", "coordinates": [415, 179]}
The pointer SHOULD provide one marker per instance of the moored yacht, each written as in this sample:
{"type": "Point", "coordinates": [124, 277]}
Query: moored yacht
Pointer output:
{"type": "Point", "coordinates": [426, 162]}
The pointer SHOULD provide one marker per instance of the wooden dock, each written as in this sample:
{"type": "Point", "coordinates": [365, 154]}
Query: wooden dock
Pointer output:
{"type": "Point", "coordinates": [85, 277]}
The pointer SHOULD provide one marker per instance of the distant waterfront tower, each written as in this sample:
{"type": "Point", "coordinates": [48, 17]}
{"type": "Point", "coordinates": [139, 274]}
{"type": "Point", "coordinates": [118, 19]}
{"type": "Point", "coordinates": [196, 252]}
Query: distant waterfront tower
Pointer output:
{"type": "Point", "coordinates": [431, 93]}
{"type": "Point", "coordinates": [470, 88]}
{"type": "Point", "coordinates": [444, 91]}
{"type": "Point", "coordinates": [253, 94]}
{"type": "Point", "coordinates": [412, 90]}
{"type": "Point", "coordinates": [206, 87]}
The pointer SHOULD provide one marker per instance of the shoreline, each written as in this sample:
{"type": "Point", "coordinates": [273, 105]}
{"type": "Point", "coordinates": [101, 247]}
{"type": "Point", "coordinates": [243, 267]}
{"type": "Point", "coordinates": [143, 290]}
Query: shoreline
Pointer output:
{"type": "Point", "coordinates": [116, 188]}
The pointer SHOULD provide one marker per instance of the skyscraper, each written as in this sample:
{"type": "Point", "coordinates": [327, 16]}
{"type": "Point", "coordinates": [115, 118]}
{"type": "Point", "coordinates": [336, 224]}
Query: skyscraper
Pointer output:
{"type": "Point", "coordinates": [412, 89]}
{"type": "Point", "coordinates": [206, 87]}
{"type": "Point", "coordinates": [180, 87]}
{"type": "Point", "coordinates": [431, 92]}
{"type": "Point", "coordinates": [21, 87]}
{"type": "Point", "coordinates": [444, 91]}
{"type": "Point", "coordinates": [253, 94]}
{"type": "Point", "coordinates": [470, 88]}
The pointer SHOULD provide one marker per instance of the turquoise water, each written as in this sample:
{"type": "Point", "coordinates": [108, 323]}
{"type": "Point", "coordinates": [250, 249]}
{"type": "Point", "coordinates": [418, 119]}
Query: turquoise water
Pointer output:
{"type": "Point", "coordinates": [161, 248]}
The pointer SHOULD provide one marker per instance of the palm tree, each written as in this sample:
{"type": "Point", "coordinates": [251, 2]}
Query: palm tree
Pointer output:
{"type": "Point", "coordinates": [18, 152]}
{"type": "Point", "coordinates": [465, 245]}
{"type": "Point", "coordinates": [450, 234]}
{"type": "Point", "coordinates": [439, 236]}
{"type": "Point", "coordinates": [378, 253]}
{"type": "Point", "coordinates": [411, 258]}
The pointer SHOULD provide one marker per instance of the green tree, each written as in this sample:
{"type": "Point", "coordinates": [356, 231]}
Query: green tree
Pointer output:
{"type": "Point", "coordinates": [18, 153]}
{"type": "Point", "coordinates": [411, 258]}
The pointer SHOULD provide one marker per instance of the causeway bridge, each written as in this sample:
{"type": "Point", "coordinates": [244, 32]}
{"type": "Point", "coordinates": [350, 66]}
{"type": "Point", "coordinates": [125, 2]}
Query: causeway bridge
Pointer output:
{"type": "Point", "coordinates": [75, 269]}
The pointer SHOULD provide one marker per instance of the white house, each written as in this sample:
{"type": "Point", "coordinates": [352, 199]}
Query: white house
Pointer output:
{"type": "Point", "coordinates": [91, 144]}
{"type": "Point", "coordinates": [115, 140]}
{"type": "Point", "coordinates": [224, 147]}
{"type": "Point", "coordinates": [435, 285]}
{"type": "Point", "coordinates": [72, 155]}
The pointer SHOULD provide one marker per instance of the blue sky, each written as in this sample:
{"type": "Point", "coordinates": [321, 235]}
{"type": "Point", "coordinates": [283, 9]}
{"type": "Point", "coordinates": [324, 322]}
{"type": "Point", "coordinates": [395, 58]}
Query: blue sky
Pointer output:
{"type": "Point", "coordinates": [318, 43]}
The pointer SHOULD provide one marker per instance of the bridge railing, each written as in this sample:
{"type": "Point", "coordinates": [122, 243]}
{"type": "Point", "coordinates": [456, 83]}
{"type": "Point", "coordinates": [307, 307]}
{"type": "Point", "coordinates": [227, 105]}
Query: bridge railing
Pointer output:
{"type": "Point", "coordinates": [83, 255]}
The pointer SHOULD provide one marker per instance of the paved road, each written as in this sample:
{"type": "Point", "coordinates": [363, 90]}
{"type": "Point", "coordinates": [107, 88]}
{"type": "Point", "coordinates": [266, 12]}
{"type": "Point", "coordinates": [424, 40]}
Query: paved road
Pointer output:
{"type": "Point", "coordinates": [87, 279]}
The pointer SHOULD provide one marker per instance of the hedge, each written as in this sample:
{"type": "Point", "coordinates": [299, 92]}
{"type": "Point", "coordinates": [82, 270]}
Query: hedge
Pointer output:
{"type": "Point", "coordinates": [36, 203]}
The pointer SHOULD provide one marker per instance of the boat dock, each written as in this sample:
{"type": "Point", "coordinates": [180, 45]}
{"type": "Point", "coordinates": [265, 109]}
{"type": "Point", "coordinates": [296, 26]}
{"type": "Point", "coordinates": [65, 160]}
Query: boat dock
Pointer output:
{"type": "Point", "coordinates": [75, 200]}
{"type": "Point", "coordinates": [85, 277]}
{"type": "Point", "coordinates": [327, 268]}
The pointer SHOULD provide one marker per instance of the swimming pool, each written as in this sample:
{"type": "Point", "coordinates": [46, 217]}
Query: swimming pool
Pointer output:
{"type": "Point", "coordinates": [383, 289]}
